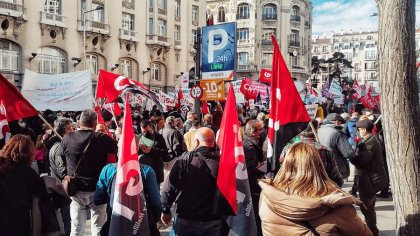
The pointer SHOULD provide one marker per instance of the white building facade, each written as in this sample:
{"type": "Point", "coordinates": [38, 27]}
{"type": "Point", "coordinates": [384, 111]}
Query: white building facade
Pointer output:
{"type": "Point", "coordinates": [288, 20]}
{"type": "Point", "coordinates": [146, 40]}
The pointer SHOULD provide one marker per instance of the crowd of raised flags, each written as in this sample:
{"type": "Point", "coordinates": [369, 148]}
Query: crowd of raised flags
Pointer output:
{"type": "Point", "coordinates": [287, 118]}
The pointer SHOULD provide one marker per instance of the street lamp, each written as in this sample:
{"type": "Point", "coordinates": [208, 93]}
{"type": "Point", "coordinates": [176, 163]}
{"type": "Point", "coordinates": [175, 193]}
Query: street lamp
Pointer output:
{"type": "Point", "coordinates": [84, 31]}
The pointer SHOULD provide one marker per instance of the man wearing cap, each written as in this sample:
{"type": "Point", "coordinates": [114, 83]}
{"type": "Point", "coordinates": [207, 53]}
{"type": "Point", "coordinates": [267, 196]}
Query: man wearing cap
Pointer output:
{"type": "Point", "coordinates": [370, 171]}
{"type": "Point", "coordinates": [332, 136]}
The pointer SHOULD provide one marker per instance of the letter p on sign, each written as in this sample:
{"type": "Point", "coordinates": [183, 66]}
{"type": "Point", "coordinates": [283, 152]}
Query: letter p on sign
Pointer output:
{"type": "Point", "coordinates": [214, 47]}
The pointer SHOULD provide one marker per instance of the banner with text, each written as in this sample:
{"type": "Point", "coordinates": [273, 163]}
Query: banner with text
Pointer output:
{"type": "Point", "coordinates": [213, 90]}
{"type": "Point", "coordinates": [65, 92]}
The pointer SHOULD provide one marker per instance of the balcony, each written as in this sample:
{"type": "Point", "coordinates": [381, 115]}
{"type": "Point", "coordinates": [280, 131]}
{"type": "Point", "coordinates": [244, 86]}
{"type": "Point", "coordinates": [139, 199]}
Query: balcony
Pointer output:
{"type": "Point", "coordinates": [195, 22]}
{"type": "Point", "coordinates": [128, 4]}
{"type": "Point", "coordinates": [266, 42]}
{"type": "Point", "coordinates": [94, 26]}
{"type": "Point", "coordinates": [295, 18]}
{"type": "Point", "coordinates": [153, 39]}
{"type": "Point", "coordinates": [246, 68]}
{"type": "Point", "coordinates": [162, 11]}
{"type": "Point", "coordinates": [294, 43]}
{"type": "Point", "coordinates": [128, 35]}
{"type": "Point", "coordinates": [53, 19]}
{"type": "Point", "coordinates": [242, 16]}
{"type": "Point", "coordinates": [266, 66]}
{"type": "Point", "coordinates": [243, 41]}
{"type": "Point", "coordinates": [14, 9]}
{"type": "Point", "coordinates": [269, 16]}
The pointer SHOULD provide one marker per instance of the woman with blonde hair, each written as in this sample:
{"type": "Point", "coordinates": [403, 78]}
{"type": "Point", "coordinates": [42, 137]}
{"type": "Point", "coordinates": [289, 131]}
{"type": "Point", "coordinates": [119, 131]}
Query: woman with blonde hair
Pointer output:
{"type": "Point", "coordinates": [302, 200]}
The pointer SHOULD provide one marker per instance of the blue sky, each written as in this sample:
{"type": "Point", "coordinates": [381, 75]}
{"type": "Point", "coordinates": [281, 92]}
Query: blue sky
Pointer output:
{"type": "Point", "coordinates": [334, 15]}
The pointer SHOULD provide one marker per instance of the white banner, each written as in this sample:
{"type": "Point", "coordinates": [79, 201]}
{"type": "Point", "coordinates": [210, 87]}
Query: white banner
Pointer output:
{"type": "Point", "coordinates": [240, 98]}
{"type": "Point", "coordinates": [166, 100]}
{"type": "Point", "coordinates": [335, 88]}
{"type": "Point", "coordinates": [65, 92]}
{"type": "Point", "coordinates": [184, 80]}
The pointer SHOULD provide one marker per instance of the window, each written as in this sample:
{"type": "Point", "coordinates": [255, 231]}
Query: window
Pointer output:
{"type": "Point", "coordinates": [126, 68]}
{"type": "Point", "coordinates": [356, 76]}
{"type": "Point", "coordinates": [155, 72]}
{"type": "Point", "coordinates": [269, 12]}
{"type": "Point", "coordinates": [294, 61]}
{"type": "Point", "coordinates": [294, 37]}
{"type": "Point", "coordinates": [348, 56]}
{"type": "Point", "coordinates": [324, 49]}
{"type": "Point", "coordinates": [370, 55]}
{"type": "Point", "coordinates": [92, 63]}
{"type": "Point", "coordinates": [295, 10]}
{"type": "Point", "coordinates": [53, 7]}
{"type": "Point", "coordinates": [356, 66]}
{"type": "Point", "coordinates": [243, 34]}
{"type": "Point", "coordinates": [177, 35]}
{"type": "Point", "coordinates": [98, 16]}
{"type": "Point", "coordinates": [267, 32]}
{"type": "Point", "coordinates": [162, 4]}
{"type": "Point", "coordinates": [9, 56]}
{"type": "Point", "coordinates": [243, 58]}
{"type": "Point", "coordinates": [221, 15]}
{"type": "Point", "coordinates": [151, 26]}
{"type": "Point", "coordinates": [316, 49]}
{"type": "Point", "coordinates": [128, 21]}
{"type": "Point", "coordinates": [243, 11]}
{"type": "Point", "coordinates": [194, 35]}
{"type": "Point", "coordinates": [267, 59]}
{"type": "Point", "coordinates": [177, 8]}
{"type": "Point", "coordinates": [51, 61]}
{"type": "Point", "coordinates": [195, 12]}
{"type": "Point", "coordinates": [162, 27]}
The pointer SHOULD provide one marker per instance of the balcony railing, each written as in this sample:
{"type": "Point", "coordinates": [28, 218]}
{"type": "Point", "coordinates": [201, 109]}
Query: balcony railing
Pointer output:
{"type": "Point", "coordinates": [242, 16]}
{"type": "Point", "coordinates": [151, 9]}
{"type": "Point", "coordinates": [269, 16]}
{"type": "Point", "coordinates": [243, 41]}
{"type": "Point", "coordinates": [162, 11]}
{"type": "Point", "coordinates": [128, 5]}
{"type": "Point", "coordinates": [248, 67]}
{"type": "Point", "coordinates": [294, 43]}
{"type": "Point", "coordinates": [153, 39]}
{"type": "Point", "coordinates": [295, 18]}
{"type": "Point", "coordinates": [94, 26]}
{"type": "Point", "coordinates": [128, 35]}
{"type": "Point", "coordinates": [177, 42]}
{"type": "Point", "coordinates": [195, 22]}
{"type": "Point", "coordinates": [266, 42]}
{"type": "Point", "coordinates": [53, 19]}
{"type": "Point", "coordinates": [14, 9]}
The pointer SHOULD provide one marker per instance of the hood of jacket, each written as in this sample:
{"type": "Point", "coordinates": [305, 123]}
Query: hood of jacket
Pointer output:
{"type": "Point", "coordinates": [296, 208]}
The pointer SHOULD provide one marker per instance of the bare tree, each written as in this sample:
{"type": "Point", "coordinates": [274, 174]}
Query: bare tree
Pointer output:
{"type": "Point", "coordinates": [400, 108]}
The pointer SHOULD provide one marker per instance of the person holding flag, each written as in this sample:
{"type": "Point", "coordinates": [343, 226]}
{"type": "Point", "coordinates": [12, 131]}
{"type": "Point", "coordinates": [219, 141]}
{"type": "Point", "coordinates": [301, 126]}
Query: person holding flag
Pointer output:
{"type": "Point", "coordinates": [146, 190]}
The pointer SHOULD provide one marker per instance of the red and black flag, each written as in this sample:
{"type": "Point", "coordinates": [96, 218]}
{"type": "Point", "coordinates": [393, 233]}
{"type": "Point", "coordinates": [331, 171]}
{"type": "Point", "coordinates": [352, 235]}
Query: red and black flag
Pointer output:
{"type": "Point", "coordinates": [288, 115]}
{"type": "Point", "coordinates": [129, 212]}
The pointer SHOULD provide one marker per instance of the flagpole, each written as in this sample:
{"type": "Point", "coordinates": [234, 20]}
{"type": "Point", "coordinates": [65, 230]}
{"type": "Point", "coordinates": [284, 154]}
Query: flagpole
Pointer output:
{"type": "Point", "coordinates": [313, 130]}
{"type": "Point", "coordinates": [48, 124]}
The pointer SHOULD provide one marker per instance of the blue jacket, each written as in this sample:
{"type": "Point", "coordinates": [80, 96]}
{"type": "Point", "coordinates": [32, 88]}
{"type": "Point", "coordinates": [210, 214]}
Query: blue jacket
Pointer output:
{"type": "Point", "coordinates": [105, 188]}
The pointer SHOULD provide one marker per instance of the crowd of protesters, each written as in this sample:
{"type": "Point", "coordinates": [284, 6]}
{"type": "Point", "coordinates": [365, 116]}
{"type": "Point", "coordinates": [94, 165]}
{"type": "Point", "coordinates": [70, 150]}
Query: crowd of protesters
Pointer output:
{"type": "Point", "coordinates": [179, 162]}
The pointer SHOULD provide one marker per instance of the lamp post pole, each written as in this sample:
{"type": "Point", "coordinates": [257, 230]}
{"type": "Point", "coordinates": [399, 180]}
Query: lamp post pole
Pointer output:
{"type": "Point", "coordinates": [84, 31]}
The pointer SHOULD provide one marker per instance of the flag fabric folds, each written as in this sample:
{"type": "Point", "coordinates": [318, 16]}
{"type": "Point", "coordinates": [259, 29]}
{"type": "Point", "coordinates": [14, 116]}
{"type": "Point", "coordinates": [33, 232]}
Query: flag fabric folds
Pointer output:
{"type": "Point", "coordinates": [15, 105]}
{"type": "Point", "coordinates": [4, 125]}
{"type": "Point", "coordinates": [288, 115]}
{"type": "Point", "coordinates": [111, 86]}
{"type": "Point", "coordinates": [205, 108]}
{"type": "Point", "coordinates": [129, 212]}
{"type": "Point", "coordinates": [232, 179]}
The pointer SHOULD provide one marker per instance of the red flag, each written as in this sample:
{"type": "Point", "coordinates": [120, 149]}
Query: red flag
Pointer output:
{"type": "Point", "coordinates": [356, 87]}
{"type": "Point", "coordinates": [113, 108]}
{"type": "Point", "coordinates": [129, 211]}
{"type": "Point", "coordinates": [265, 76]}
{"type": "Point", "coordinates": [100, 118]}
{"type": "Point", "coordinates": [288, 115]}
{"type": "Point", "coordinates": [247, 89]}
{"type": "Point", "coordinates": [205, 108]}
{"type": "Point", "coordinates": [232, 181]}
{"type": "Point", "coordinates": [4, 125]}
{"type": "Point", "coordinates": [377, 100]}
{"type": "Point", "coordinates": [179, 98]}
{"type": "Point", "coordinates": [210, 20]}
{"type": "Point", "coordinates": [17, 107]}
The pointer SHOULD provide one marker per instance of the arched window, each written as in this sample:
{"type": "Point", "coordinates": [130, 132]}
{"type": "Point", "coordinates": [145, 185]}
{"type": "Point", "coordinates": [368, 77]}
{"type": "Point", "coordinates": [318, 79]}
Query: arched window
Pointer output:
{"type": "Point", "coordinates": [10, 61]}
{"type": "Point", "coordinates": [269, 12]}
{"type": "Point", "coordinates": [126, 67]}
{"type": "Point", "coordinates": [221, 15]}
{"type": "Point", "coordinates": [92, 63]}
{"type": "Point", "coordinates": [155, 72]}
{"type": "Point", "coordinates": [295, 16]}
{"type": "Point", "coordinates": [243, 11]}
{"type": "Point", "coordinates": [51, 61]}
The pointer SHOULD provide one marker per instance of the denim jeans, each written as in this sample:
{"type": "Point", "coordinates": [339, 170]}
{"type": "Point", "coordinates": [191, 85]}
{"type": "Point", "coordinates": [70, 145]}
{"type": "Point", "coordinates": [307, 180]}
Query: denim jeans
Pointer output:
{"type": "Point", "coordinates": [80, 207]}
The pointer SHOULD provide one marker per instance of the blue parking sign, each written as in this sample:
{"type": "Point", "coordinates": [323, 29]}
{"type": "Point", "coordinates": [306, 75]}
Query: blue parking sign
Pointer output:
{"type": "Point", "coordinates": [218, 54]}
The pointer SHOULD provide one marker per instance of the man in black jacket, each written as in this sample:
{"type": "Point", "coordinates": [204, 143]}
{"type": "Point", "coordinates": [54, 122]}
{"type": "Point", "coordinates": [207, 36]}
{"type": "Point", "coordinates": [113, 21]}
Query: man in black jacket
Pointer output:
{"type": "Point", "coordinates": [174, 143]}
{"type": "Point", "coordinates": [87, 171]}
{"type": "Point", "coordinates": [192, 184]}
{"type": "Point", "coordinates": [152, 150]}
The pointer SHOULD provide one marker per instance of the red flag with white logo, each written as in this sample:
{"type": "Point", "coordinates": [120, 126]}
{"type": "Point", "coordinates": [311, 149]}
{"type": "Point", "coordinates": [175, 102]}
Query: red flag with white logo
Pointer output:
{"type": "Point", "coordinates": [265, 76]}
{"type": "Point", "coordinates": [288, 115]}
{"type": "Point", "coordinates": [4, 125]}
{"type": "Point", "coordinates": [15, 105]}
{"type": "Point", "coordinates": [232, 178]}
{"type": "Point", "coordinates": [357, 89]}
{"type": "Point", "coordinates": [129, 212]}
